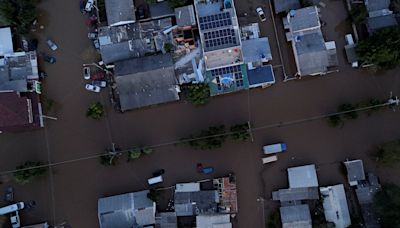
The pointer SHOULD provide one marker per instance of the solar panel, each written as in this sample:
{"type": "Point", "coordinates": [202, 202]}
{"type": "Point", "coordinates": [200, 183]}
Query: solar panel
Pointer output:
{"type": "Point", "coordinates": [215, 21]}
{"type": "Point", "coordinates": [234, 71]}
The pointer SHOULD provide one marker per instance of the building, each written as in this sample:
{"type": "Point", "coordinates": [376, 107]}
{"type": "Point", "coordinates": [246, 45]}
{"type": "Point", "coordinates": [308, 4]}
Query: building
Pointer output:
{"type": "Point", "coordinates": [365, 192]}
{"type": "Point", "coordinates": [161, 10]}
{"type": "Point", "coordinates": [126, 210]}
{"type": "Point", "coordinates": [335, 205]}
{"type": "Point", "coordinates": [221, 44]}
{"type": "Point", "coordinates": [120, 12]}
{"type": "Point", "coordinates": [19, 111]}
{"type": "Point", "coordinates": [6, 44]}
{"type": "Point", "coordinates": [196, 202]}
{"type": "Point", "coordinates": [296, 194]}
{"type": "Point", "coordinates": [302, 177]}
{"type": "Point", "coordinates": [355, 171]}
{"type": "Point", "coordinates": [166, 220]}
{"type": "Point", "coordinates": [281, 6]}
{"type": "Point", "coordinates": [216, 220]}
{"type": "Point", "coordinates": [379, 15]}
{"type": "Point", "coordinates": [312, 54]}
{"type": "Point", "coordinates": [296, 216]}
{"type": "Point", "coordinates": [152, 83]}
{"type": "Point", "coordinates": [227, 192]}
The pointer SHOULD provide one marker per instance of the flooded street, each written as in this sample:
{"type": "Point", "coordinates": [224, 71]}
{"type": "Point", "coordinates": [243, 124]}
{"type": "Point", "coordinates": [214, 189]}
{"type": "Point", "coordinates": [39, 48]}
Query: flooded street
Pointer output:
{"type": "Point", "coordinates": [71, 189]}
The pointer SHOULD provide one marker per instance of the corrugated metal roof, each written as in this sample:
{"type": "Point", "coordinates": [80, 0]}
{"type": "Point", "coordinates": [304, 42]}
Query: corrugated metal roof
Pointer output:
{"type": "Point", "coordinates": [303, 176]}
{"type": "Point", "coordinates": [6, 43]}
{"type": "Point", "coordinates": [296, 216]}
{"type": "Point", "coordinates": [335, 205]}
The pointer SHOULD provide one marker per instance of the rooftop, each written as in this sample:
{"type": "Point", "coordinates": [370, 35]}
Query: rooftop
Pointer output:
{"type": "Point", "coordinates": [256, 50]}
{"type": "Point", "coordinates": [152, 83]}
{"type": "Point", "coordinates": [286, 5]}
{"type": "Point", "coordinates": [261, 76]}
{"type": "Point", "coordinates": [185, 16]}
{"type": "Point", "coordinates": [227, 79]}
{"type": "Point", "coordinates": [355, 171]}
{"type": "Point", "coordinates": [223, 57]}
{"type": "Point", "coordinates": [126, 210]}
{"type": "Point", "coordinates": [160, 10]}
{"type": "Point", "coordinates": [166, 220]}
{"type": "Point", "coordinates": [294, 194]}
{"type": "Point", "coordinates": [366, 190]}
{"type": "Point", "coordinates": [297, 216]}
{"type": "Point", "coordinates": [227, 190]}
{"type": "Point", "coordinates": [120, 12]}
{"type": "Point", "coordinates": [303, 19]}
{"type": "Point", "coordinates": [6, 43]}
{"type": "Point", "coordinates": [375, 23]}
{"type": "Point", "coordinates": [195, 203]}
{"type": "Point", "coordinates": [302, 177]}
{"type": "Point", "coordinates": [351, 53]}
{"type": "Point", "coordinates": [335, 205]}
{"type": "Point", "coordinates": [374, 5]}
{"type": "Point", "coordinates": [213, 221]}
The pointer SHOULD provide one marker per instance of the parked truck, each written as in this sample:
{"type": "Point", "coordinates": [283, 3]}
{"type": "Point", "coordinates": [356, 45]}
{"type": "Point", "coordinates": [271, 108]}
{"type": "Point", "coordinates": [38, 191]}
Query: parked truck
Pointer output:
{"type": "Point", "coordinates": [274, 148]}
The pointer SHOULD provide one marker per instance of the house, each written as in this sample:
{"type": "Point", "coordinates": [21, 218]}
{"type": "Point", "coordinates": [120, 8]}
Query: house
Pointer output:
{"type": "Point", "coordinates": [256, 51]}
{"type": "Point", "coordinates": [302, 177]}
{"type": "Point", "coordinates": [132, 40]}
{"type": "Point", "coordinates": [185, 16]}
{"type": "Point", "coordinates": [296, 194]}
{"type": "Point", "coordinates": [296, 216]}
{"type": "Point", "coordinates": [221, 46]}
{"type": "Point", "coordinates": [152, 83]}
{"type": "Point", "coordinates": [335, 205]}
{"type": "Point", "coordinates": [6, 43]}
{"type": "Point", "coordinates": [379, 15]}
{"type": "Point", "coordinates": [281, 6]}
{"type": "Point", "coordinates": [227, 191]}
{"type": "Point", "coordinates": [19, 111]}
{"type": "Point", "coordinates": [355, 171]}
{"type": "Point", "coordinates": [215, 220]}
{"type": "Point", "coordinates": [312, 55]}
{"type": "Point", "coordinates": [195, 203]}
{"type": "Point", "coordinates": [120, 12]}
{"type": "Point", "coordinates": [126, 210]}
{"type": "Point", "coordinates": [161, 10]}
{"type": "Point", "coordinates": [166, 220]}
{"type": "Point", "coordinates": [365, 192]}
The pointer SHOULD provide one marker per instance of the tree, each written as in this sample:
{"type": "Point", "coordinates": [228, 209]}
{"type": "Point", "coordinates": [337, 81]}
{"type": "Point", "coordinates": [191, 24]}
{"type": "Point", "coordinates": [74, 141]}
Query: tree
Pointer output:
{"type": "Point", "coordinates": [348, 109]}
{"type": "Point", "coordinates": [389, 153]}
{"type": "Point", "coordinates": [358, 14]}
{"type": "Point", "coordinates": [19, 13]}
{"type": "Point", "coordinates": [177, 3]}
{"type": "Point", "coordinates": [335, 121]}
{"type": "Point", "coordinates": [211, 138]}
{"type": "Point", "coordinates": [147, 150]}
{"type": "Point", "coordinates": [168, 47]}
{"type": "Point", "coordinates": [387, 205]}
{"type": "Point", "coordinates": [95, 111]}
{"type": "Point", "coordinates": [240, 132]}
{"type": "Point", "coordinates": [198, 93]}
{"type": "Point", "coordinates": [134, 153]}
{"type": "Point", "coordinates": [381, 49]}
{"type": "Point", "coordinates": [28, 171]}
{"type": "Point", "coordinates": [108, 160]}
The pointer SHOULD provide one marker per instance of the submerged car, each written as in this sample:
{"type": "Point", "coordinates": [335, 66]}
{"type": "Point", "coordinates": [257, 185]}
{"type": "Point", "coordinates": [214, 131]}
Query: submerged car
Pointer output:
{"type": "Point", "coordinates": [261, 14]}
{"type": "Point", "coordinates": [48, 58]}
{"type": "Point", "coordinates": [53, 46]}
{"type": "Point", "coordinates": [92, 88]}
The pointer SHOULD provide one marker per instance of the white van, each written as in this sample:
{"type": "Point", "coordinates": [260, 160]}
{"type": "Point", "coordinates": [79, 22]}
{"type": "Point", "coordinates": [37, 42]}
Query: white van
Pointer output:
{"type": "Point", "coordinates": [155, 180]}
{"type": "Point", "coordinates": [89, 5]}
{"type": "Point", "coordinates": [12, 208]}
{"type": "Point", "coordinates": [269, 159]}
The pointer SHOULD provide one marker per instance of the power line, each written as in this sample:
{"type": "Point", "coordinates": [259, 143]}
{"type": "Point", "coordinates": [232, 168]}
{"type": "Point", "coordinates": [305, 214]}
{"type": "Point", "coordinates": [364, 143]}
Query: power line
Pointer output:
{"type": "Point", "coordinates": [260, 128]}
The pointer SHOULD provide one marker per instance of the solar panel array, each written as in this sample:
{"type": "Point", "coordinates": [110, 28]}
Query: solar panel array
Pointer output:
{"type": "Point", "coordinates": [233, 70]}
{"type": "Point", "coordinates": [219, 37]}
{"type": "Point", "coordinates": [215, 21]}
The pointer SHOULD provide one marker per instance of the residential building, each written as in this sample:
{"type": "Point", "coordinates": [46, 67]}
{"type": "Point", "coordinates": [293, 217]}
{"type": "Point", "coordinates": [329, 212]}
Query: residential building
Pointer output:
{"type": "Point", "coordinates": [19, 111]}
{"type": "Point", "coordinates": [166, 220]}
{"type": "Point", "coordinates": [152, 83]}
{"type": "Point", "coordinates": [126, 210]}
{"type": "Point", "coordinates": [296, 194]}
{"type": "Point", "coordinates": [302, 176]}
{"type": "Point", "coordinates": [227, 192]}
{"type": "Point", "coordinates": [365, 192]}
{"type": "Point", "coordinates": [296, 216]}
{"type": "Point", "coordinates": [312, 54]}
{"type": "Point", "coordinates": [379, 15]}
{"type": "Point", "coordinates": [222, 51]}
{"type": "Point", "coordinates": [355, 171]}
{"type": "Point", "coordinates": [6, 44]}
{"type": "Point", "coordinates": [185, 16]}
{"type": "Point", "coordinates": [215, 220]}
{"type": "Point", "coordinates": [160, 10]}
{"type": "Point", "coordinates": [120, 12]}
{"type": "Point", "coordinates": [282, 6]}
{"type": "Point", "coordinates": [335, 205]}
{"type": "Point", "coordinates": [196, 202]}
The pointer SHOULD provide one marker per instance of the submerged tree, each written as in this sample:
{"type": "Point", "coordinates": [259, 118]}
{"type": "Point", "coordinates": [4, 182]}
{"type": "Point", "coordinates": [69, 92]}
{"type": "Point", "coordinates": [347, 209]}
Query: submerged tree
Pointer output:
{"type": "Point", "coordinates": [28, 171]}
{"type": "Point", "coordinates": [95, 111]}
{"type": "Point", "coordinates": [240, 132]}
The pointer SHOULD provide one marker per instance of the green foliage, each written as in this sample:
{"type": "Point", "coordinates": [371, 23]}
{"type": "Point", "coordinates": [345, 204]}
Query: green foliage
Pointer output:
{"type": "Point", "coordinates": [147, 150]}
{"type": "Point", "coordinates": [350, 115]}
{"type": "Point", "coordinates": [274, 220]}
{"type": "Point", "coordinates": [95, 111]}
{"type": "Point", "coordinates": [108, 160]}
{"type": "Point", "coordinates": [168, 47]}
{"type": "Point", "coordinates": [305, 3]}
{"type": "Point", "coordinates": [198, 93]}
{"type": "Point", "coordinates": [389, 153]}
{"type": "Point", "coordinates": [381, 49]}
{"type": "Point", "coordinates": [27, 176]}
{"type": "Point", "coordinates": [240, 132]}
{"type": "Point", "coordinates": [358, 14]}
{"type": "Point", "coordinates": [177, 3]}
{"type": "Point", "coordinates": [387, 205]}
{"type": "Point", "coordinates": [19, 13]}
{"type": "Point", "coordinates": [207, 139]}
{"type": "Point", "coordinates": [153, 195]}
{"type": "Point", "coordinates": [134, 153]}
{"type": "Point", "coordinates": [335, 121]}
